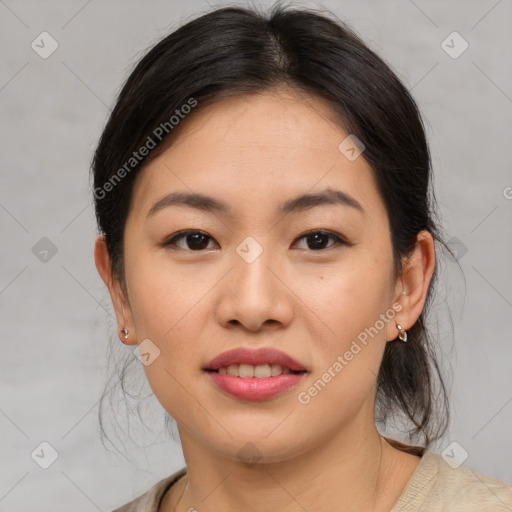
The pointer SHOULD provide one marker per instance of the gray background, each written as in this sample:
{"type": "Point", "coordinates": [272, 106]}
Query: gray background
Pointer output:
{"type": "Point", "coordinates": [55, 315]}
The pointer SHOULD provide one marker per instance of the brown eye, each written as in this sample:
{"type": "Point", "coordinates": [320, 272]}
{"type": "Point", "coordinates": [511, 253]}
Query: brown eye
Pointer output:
{"type": "Point", "coordinates": [194, 240]}
{"type": "Point", "coordinates": [317, 240]}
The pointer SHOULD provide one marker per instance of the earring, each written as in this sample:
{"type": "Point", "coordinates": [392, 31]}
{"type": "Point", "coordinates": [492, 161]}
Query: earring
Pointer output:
{"type": "Point", "coordinates": [125, 332]}
{"type": "Point", "coordinates": [402, 334]}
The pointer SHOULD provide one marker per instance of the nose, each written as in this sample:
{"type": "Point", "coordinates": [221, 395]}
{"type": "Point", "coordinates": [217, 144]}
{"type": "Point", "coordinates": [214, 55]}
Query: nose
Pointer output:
{"type": "Point", "coordinates": [255, 295]}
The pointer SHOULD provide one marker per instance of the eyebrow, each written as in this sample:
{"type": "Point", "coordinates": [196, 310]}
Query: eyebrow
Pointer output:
{"type": "Point", "coordinates": [210, 204]}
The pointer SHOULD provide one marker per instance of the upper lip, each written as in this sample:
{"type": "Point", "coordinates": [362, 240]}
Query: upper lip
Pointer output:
{"type": "Point", "coordinates": [254, 357]}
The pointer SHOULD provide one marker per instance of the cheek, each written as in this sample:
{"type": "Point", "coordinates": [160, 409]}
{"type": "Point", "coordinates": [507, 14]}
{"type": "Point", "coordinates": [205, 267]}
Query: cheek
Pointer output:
{"type": "Point", "coordinates": [351, 310]}
{"type": "Point", "coordinates": [350, 297]}
{"type": "Point", "coordinates": [170, 308]}
{"type": "Point", "coordinates": [163, 297]}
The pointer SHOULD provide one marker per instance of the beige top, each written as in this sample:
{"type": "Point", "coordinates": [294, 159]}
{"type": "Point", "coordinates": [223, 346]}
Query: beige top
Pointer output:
{"type": "Point", "coordinates": [433, 487]}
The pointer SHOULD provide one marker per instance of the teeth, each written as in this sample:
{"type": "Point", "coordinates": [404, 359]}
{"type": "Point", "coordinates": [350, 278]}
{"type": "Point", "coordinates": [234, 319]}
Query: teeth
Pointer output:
{"type": "Point", "coordinates": [245, 371]}
{"type": "Point", "coordinates": [260, 371]}
{"type": "Point", "coordinates": [233, 370]}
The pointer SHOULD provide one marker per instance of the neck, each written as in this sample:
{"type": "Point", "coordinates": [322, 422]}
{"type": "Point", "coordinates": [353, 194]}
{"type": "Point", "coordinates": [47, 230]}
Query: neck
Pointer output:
{"type": "Point", "coordinates": [349, 471]}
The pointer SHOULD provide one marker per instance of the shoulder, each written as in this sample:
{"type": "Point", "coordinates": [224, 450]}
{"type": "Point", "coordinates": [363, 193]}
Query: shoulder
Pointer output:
{"type": "Point", "coordinates": [150, 500]}
{"type": "Point", "coordinates": [436, 486]}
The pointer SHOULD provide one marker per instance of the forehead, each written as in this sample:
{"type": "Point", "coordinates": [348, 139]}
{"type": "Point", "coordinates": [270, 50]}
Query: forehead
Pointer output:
{"type": "Point", "coordinates": [278, 118]}
{"type": "Point", "coordinates": [257, 147]}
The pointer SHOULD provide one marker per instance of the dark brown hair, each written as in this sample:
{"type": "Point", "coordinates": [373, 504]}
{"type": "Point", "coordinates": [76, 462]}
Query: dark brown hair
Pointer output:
{"type": "Point", "coordinates": [235, 51]}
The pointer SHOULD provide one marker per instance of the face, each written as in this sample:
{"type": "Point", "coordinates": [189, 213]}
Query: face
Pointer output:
{"type": "Point", "coordinates": [308, 280]}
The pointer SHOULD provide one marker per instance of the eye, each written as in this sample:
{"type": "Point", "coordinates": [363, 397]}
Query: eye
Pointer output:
{"type": "Point", "coordinates": [196, 240]}
{"type": "Point", "coordinates": [317, 240]}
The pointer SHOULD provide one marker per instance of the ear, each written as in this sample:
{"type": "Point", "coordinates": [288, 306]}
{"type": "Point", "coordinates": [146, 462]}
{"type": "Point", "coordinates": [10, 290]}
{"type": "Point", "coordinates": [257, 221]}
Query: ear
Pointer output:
{"type": "Point", "coordinates": [413, 284]}
{"type": "Point", "coordinates": [117, 294]}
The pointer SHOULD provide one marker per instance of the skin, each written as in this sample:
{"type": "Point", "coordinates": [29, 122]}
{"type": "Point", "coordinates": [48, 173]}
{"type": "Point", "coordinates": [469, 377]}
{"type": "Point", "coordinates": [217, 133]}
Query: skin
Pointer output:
{"type": "Point", "coordinates": [255, 152]}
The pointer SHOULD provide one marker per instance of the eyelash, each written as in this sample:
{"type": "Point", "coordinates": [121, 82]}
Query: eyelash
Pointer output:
{"type": "Point", "coordinates": [339, 240]}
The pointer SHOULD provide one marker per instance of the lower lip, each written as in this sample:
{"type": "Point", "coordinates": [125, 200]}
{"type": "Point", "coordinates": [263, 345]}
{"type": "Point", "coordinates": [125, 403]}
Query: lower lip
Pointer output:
{"type": "Point", "coordinates": [255, 388]}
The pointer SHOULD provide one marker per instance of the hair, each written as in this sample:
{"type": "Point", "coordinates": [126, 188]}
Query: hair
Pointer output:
{"type": "Point", "coordinates": [235, 51]}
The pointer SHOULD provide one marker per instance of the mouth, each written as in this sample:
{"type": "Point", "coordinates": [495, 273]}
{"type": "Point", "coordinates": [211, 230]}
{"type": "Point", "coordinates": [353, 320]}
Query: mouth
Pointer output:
{"type": "Point", "coordinates": [255, 374]}
{"type": "Point", "coordinates": [247, 362]}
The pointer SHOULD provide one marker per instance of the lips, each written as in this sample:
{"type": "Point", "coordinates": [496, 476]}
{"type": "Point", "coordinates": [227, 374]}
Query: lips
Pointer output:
{"type": "Point", "coordinates": [254, 357]}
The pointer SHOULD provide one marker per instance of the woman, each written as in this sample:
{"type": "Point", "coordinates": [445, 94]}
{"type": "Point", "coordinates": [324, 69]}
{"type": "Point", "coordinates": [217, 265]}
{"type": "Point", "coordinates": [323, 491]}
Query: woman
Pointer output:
{"type": "Point", "coordinates": [267, 236]}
